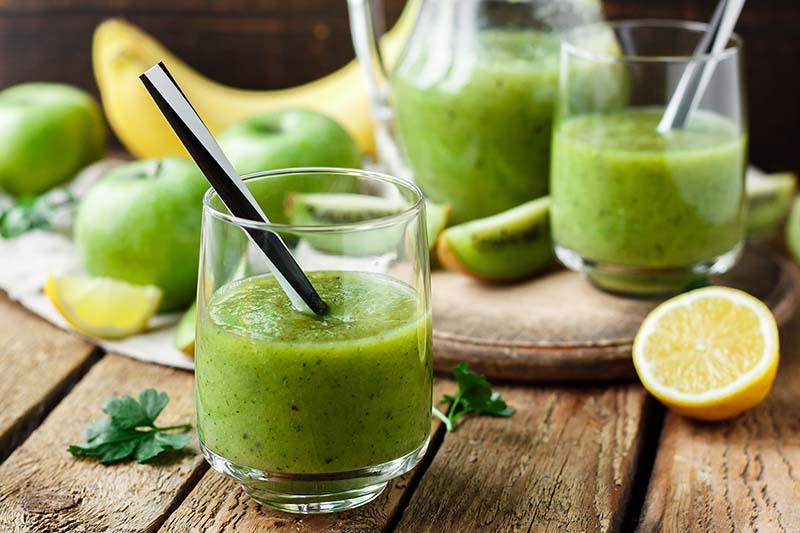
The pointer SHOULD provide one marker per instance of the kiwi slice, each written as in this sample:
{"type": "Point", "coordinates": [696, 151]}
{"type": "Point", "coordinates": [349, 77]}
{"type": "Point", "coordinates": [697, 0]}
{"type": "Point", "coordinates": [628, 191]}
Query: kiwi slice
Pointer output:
{"type": "Point", "coordinates": [793, 230]}
{"type": "Point", "coordinates": [437, 217]}
{"type": "Point", "coordinates": [273, 192]}
{"type": "Point", "coordinates": [321, 209]}
{"type": "Point", "coordinates": [184, 332]}
{"type": "Point", "coordinates": [769, 198]}
{"type": "Point", "coordinates": [511, 245]}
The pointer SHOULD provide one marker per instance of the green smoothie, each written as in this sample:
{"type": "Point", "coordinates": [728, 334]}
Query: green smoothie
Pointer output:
{"type": "Point", "coordinates": [475, 125]}
{"type": "Point", "coordinates": [626, 195]}
{"type": "Point", "coordinates": [283, 391]}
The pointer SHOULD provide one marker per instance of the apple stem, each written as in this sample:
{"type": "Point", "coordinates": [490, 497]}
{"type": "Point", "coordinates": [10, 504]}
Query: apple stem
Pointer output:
{"type": "Point", "coordinates": [157, 170]}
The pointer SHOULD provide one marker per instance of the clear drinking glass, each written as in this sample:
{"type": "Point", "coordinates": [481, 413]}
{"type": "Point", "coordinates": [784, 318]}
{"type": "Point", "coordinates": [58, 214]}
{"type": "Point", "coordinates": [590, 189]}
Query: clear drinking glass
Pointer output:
{"type": "Point", "coordinates": [638, 210]}
{"type": "Point", "coordinates": [315, 414]}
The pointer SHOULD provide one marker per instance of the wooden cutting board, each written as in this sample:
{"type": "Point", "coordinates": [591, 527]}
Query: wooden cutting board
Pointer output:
{"type": "Point", "coordinates": [557, 327]}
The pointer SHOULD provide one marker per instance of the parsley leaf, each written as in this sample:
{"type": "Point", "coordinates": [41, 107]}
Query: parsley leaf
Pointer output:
{"type": "Point", "coordinates": [131, 431]}
{"type": "Point", "coordinates": [153, 402]}
{"type": "Point", "coordinates": [34, 212]}
{"type": "Point", "coordinates": [474, 395]}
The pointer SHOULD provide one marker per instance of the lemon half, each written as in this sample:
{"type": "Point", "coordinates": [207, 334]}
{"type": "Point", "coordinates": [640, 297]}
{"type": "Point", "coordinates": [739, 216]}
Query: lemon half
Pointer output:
{"type": "Point", "coordinates": [708, 354]}
{"type": "Point", "coordinates": [103, 307]}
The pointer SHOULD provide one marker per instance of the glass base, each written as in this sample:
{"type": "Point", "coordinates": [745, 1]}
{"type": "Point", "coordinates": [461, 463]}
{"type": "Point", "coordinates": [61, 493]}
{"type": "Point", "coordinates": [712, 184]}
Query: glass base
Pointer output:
{"type": "Point", "coordinates": [643, 281]}
{"type": "Point", "coordinates": [315, 493]}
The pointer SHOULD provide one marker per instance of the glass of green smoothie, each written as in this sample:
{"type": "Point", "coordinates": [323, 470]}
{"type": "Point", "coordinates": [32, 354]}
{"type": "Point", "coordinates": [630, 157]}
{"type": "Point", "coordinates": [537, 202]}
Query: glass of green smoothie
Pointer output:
{"type": "Point", "coordinates": [642, 211]}
{"type": "Point", "coordinates": [316, 414]}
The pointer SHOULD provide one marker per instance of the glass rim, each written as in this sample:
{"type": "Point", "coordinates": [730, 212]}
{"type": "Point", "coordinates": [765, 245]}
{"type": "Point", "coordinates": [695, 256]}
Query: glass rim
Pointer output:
{"type": "Point", "coordinates": [369, 224]}
{"type": "Point", "coordinates": [568, 44]}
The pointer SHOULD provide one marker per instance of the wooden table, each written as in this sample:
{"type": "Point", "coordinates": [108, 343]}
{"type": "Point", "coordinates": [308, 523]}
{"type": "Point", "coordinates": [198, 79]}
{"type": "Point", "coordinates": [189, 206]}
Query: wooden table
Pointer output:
{"type": "Point", "coordinates": [571, 459]}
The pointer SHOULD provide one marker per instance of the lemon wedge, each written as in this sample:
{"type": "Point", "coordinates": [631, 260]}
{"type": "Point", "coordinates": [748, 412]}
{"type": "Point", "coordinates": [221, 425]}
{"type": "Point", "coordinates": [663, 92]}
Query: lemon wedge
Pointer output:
{"type": "Point", "coordinates": [708, 354]}
{"type": "Point", "coordinates": [103, 307]}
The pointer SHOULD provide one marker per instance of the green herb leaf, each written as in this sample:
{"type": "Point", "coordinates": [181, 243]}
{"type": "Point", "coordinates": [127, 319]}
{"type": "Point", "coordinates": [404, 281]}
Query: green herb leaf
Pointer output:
{"type": "Point", "coordinates": [34, 212]}
{"type": "Point", "coordinates": [475, 395]}
{"type": "Point", "coordinates": [125, 412]}
{"type": "Point", "coordinates": [131, 430]}
{"type": "Point", "coordinates": [153, 402]}
{"type": "Point", "coordinates": [157, 442]}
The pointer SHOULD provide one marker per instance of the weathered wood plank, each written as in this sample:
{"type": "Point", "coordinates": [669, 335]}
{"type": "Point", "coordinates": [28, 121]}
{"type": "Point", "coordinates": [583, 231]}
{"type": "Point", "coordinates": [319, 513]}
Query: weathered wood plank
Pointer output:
{"type": "Point", "coordinates": [264, 44]}
{"type": "Point", "coordinates": [43, 488]}
{"type": "Point", "coordinates": [38, 364]}
{"type": "Point", "coordinates": [563, 462]}
{"type": "Point", "coordinates": [218, 504]}
{"type": "Point", "coordinates": [742, 475]}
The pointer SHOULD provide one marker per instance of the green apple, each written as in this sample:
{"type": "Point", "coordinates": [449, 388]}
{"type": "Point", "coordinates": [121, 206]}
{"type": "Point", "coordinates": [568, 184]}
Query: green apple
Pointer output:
{"type": "Point", "coordinates": [288, 138]}
{"type": "Point", "coordinates": [141, 224]}
{"type": "Point", "coordinates": [48, 132]}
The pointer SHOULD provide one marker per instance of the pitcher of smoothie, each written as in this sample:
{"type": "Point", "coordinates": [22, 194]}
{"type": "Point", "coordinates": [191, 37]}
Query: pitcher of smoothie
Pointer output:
{"type": "Point", "coordinates": [466, 110]}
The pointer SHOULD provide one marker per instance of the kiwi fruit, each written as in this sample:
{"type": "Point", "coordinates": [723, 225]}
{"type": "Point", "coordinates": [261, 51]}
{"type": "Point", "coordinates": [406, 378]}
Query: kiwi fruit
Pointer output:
{"type": "Point", "coordinates": [184, 332]}
{"type": "Point", "coordinates": [793, 230]}
{"type": "Point", "coordinates": [437, 217]}
{"type": "Point", "coordinates": [273, 192]}
{"type": "Point", "coordinates": [321, 209]}
{"type": "Point", "coordinates": [769, 198]}
{"type": "Point", "coordinates": [510, 245]}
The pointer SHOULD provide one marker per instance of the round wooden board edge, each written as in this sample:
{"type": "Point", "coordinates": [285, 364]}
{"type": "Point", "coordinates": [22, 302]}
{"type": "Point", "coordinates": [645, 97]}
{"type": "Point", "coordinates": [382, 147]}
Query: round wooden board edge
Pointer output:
{"type": "Point", "coordinates": [554, 363]}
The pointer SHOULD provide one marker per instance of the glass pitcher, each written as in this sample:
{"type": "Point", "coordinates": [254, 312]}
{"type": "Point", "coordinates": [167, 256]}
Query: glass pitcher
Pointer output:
{"type": "Point", "coordinates": [467, 108]}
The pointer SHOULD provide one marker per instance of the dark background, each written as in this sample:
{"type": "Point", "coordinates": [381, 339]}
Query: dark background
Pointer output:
{"type": "Point", "coordinates": [264, 44]}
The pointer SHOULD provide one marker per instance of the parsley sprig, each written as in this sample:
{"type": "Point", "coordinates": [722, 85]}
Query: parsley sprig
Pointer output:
{"type": "Point", "coordinates": [36, 212]}
{"type": "Point", "coordinates": [474, 395]}
{"type": "Point", "coordinates": [131, 431]}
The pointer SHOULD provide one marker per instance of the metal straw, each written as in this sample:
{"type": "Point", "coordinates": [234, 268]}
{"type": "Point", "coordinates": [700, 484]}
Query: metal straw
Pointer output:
{"type": "Point", "coordinates": [219, 172]}
{"type": "Point", "coordinates": [697, 74]}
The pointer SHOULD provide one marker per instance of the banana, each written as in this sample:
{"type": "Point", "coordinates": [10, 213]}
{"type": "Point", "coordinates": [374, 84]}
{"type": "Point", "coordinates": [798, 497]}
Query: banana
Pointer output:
{"type": "Point", "coordinates": [121, 52]}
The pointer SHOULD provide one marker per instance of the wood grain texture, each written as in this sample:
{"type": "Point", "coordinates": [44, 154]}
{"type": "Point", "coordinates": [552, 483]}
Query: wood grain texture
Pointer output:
{"type": "Point", "coordinates": [557, 327]}
{"type": "Point", "coordinates": [43, 488]}
{"type": "Point", "coordinates": [38, 364]}
{"type": "Point", "coordinates": [264, 44]}
{"type": "Point", "coordinates": [261, 44]}
{"type": "Point", "coordinates": [741, 475]}
{"type": "Point", "coordinates": [218, 504]}
{"type": "Point", "coordinates": [563, 462]}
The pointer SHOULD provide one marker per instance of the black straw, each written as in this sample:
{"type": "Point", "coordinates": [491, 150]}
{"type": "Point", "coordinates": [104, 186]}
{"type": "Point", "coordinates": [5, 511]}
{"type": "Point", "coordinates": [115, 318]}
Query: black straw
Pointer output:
{"type": "Point", "coordinates": [219, 172]}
